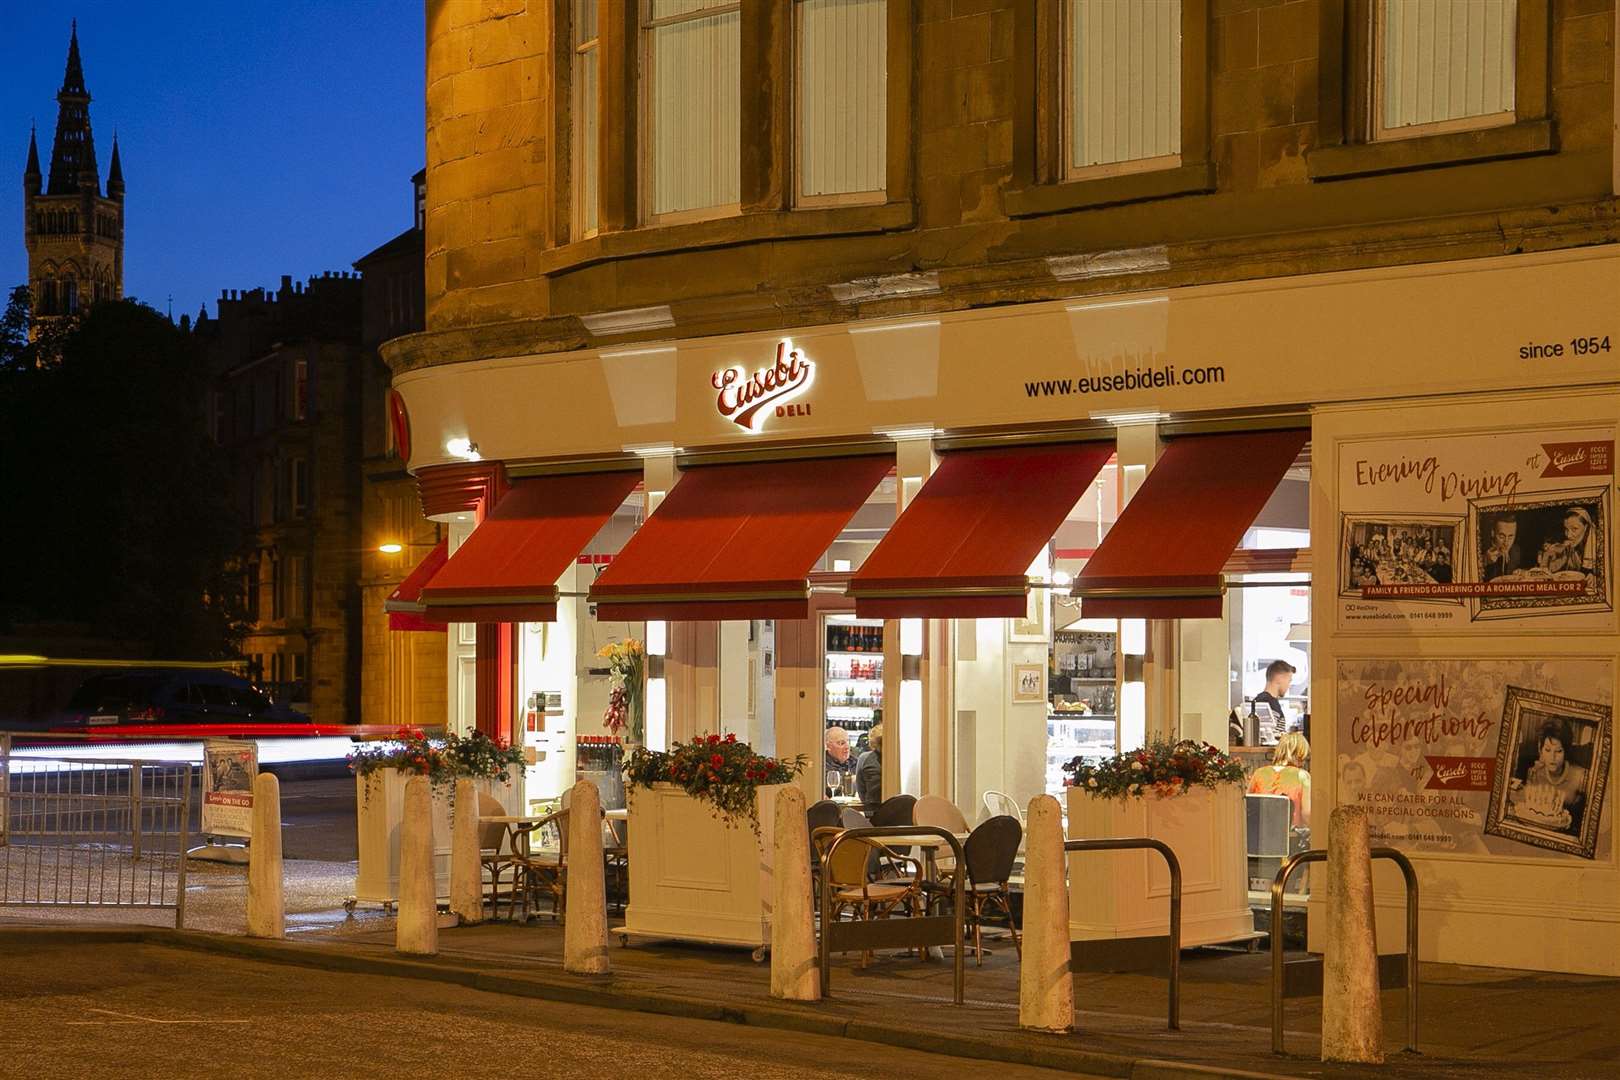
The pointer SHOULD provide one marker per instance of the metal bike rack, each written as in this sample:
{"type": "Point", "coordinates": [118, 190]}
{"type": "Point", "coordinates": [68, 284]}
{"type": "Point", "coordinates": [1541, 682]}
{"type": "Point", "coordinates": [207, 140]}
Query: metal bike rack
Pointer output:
{"type": "Point", "coordinates": [907, 933]}
{"type": "Point", "coordinates": [1303, 978]}
{"type": "Point", "coordinates": [1136, 953]}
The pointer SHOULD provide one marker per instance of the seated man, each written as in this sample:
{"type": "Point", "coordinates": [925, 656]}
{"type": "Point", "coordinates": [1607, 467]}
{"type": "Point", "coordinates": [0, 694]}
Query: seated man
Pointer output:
{"type": "Point", "coordinates": [838, 761]}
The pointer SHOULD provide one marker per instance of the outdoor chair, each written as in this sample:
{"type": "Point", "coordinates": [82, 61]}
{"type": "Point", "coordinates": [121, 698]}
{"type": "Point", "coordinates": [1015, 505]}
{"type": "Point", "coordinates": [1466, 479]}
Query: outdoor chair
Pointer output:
{"type": "Point", "coordinates": [896, 810]}
{"type": "Point", "coordinates": [990, 851]}
{"type": "Point", "coordinates": [941, 814]}
{"type": "Point", "coordinates": [616, 861]}
{"type": "Point", "coordinates": [545, 871]}
{"type": "Point", "coordinates": [854, 892]}
{"type": "Point", "coordinates": [999, 802]}
{"type": "Point", "coordinates": [825, 814]}
{"type": "Point", "coordinates": [497, 854]}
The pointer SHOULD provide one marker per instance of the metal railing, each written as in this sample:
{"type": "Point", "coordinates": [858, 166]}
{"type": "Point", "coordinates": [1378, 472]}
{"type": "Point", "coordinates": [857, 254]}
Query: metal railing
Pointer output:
{"type": "Point", "coordinates": [81, 832]}
{"type": "Point", "coordinates": [1128, 954]}
{"type": "Point", "coordinates": [911, 932]}
{"type": "Point", "coordinates": [1303, 978]}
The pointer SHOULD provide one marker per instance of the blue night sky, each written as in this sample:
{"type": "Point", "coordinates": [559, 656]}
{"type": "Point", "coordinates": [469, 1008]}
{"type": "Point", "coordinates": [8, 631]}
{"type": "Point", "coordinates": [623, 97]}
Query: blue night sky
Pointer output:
{"type": "Point", "coordinates": [258, 138]}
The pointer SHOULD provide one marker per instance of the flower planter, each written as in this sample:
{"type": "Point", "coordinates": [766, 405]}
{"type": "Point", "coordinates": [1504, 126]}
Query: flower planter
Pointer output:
{"type": "Point", "coordinates": [693, 877]}
{"type": "Point", "coordinates": [379, 810]}
{"type": "Point", "coordinates": [1127, 894]}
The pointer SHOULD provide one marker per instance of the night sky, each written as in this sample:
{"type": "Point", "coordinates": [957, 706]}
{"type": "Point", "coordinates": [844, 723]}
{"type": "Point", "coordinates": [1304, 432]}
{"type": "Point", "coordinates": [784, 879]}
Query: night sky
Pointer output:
{"type": "Point", "coordinates": [257, 138]}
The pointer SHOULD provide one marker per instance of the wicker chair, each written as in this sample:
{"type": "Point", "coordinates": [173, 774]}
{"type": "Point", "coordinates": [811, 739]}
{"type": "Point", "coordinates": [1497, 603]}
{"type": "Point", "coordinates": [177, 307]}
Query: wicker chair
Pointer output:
{"type": "Point", "coordinates": [497, 855]}
{"type": "Point", "coordinates": [849, 878]}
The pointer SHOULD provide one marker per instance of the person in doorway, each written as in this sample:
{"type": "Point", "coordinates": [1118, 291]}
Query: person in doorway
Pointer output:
{"type": "Point", "coordinates": [839, 763]}
{"type": "Point", "coordinates": [1503, 556]}
{"type": "Point", "coordinates": [869, 773]}
{"type": "Point", "coordinates": [1268, 703]}
{"type": "Point", "coordinates": [1286, 775]}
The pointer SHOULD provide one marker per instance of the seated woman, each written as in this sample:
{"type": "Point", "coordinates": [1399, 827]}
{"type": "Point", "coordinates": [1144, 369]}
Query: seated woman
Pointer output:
{"type": "Point", "coordinates": [1286, 775]}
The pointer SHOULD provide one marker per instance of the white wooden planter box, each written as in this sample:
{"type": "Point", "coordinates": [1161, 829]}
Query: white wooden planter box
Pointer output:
{"type": "Point", "coordinates": [694, 878]}
{"type": "Point", "coordinates": [1127, 893]}
{"type": "Point", "coordinates": [379, 810]}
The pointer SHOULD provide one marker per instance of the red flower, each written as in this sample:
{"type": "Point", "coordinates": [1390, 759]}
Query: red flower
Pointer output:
{"type": "Point", "coordinates": [730, 738]}
{"type": "Point", "coordinates": [717, 761]}
{"type": "Point", "coordinates": [714, 740]}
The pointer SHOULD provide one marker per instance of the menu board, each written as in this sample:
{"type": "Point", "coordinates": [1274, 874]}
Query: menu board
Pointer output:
{"type": "Point", "coordinates": [1491, 756]}
{"type": "Point", "coordinates": [1501, 532]}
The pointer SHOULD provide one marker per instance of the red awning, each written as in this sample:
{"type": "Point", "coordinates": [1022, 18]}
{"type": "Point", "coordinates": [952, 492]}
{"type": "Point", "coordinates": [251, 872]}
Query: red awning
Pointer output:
{"type": "Point", "coordinates": [963, 548]}
{"type": "Point", "coordinates": [404, 604]}
{"type": "Point", "coordinates": [1163, 557]}
{"type": "Point", "coordinates": [737, 541]}
{"type": "Point", "coordinates": [507, 570]}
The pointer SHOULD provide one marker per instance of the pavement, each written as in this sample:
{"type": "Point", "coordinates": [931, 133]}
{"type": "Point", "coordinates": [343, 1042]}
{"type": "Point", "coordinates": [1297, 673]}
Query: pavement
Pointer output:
{"type": "Point", "coordinates": [1474, 1022]}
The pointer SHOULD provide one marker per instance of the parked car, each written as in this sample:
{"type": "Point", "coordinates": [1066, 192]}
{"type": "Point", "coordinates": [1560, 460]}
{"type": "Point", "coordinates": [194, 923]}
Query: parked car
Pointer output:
{"type": "Point", "coordinates": [172, 696]}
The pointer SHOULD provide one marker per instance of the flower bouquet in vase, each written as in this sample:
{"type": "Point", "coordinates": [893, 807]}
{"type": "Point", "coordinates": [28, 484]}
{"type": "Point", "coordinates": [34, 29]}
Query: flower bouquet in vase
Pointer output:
{"type": "Point", "coordinates": [626, 712]}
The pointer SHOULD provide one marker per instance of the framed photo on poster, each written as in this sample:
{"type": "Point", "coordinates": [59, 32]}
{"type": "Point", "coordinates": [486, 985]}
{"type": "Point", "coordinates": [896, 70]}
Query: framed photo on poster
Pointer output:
{"type": "Point", "coordinates": [1399, 549]}
{"type": "Point", "coordinates": [1032, 627]}
{"type": "Point", "coordinates": [1550, 536]}
{"type": "Point", "coordinates": [1552, 768]}
{"type": "Point", "coordinates": [1029, 683]}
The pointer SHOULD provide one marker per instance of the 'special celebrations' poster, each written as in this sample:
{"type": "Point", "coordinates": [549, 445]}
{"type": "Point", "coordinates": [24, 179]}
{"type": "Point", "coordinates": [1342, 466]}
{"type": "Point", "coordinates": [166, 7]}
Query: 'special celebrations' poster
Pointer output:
{"type": "Point", "coordinates": [1500, 756]}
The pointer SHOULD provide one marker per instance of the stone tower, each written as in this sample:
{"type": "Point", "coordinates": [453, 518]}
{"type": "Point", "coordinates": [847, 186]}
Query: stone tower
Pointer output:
{"type": "Point", "coordinates": [74, 235]}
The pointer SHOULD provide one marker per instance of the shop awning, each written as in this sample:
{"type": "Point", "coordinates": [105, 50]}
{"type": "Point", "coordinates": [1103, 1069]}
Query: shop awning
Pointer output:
{"type": "Point", "coordinates": [737, 541]}
{"type": "Point", "coordinates": [1163, 557]}
{"type": "Point", "coordinates": [963, 548]}
{"type": "Point", "coordinates": [404, 604]}
{"type": "Point", "coordinates": [507, 570]}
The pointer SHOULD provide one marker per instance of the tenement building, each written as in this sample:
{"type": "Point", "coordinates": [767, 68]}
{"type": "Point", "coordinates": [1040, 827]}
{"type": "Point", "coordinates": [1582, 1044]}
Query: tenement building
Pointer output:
{"type": "Point", "coordinates": [74, 234]}
{"type": "Point", "coordinates": [284, 411]}
{"type": "Point", "coordinates": [402, 675]}
{"type": "Point", "coordinates": [993, 387]}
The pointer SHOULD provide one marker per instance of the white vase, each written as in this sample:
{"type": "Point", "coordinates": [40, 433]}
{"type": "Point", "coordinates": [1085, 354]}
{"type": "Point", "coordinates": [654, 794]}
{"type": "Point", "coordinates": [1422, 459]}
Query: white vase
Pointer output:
{"type": "Point", "coordinates": [693, 876]}
{"type": "Point", "coordinates": [379, 810]}
{"type": "Point", "coordinates": [1127, 893]}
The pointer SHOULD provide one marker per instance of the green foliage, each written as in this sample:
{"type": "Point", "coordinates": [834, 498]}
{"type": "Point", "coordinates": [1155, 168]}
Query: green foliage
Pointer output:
{"type": "Point", "coordinates": [442, 761]}
{"type": "Point", "coordinates": [1160, 768]}
{"type": "Point", "coordinates": [719, 770]}
{"type": "Point", "coordinates": [123, 521]}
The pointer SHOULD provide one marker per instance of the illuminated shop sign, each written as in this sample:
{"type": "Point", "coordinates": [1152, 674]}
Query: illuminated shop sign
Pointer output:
{"type": "Point", "coordinates": [748, 399]}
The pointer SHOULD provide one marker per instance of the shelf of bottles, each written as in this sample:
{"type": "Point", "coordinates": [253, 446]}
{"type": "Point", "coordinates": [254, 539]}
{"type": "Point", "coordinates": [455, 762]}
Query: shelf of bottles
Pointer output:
{"type": "Point", "coordinates": [853, 668]}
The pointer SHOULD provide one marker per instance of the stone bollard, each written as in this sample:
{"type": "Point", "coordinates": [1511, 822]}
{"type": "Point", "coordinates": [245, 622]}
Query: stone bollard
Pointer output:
{"type": "Point", "coordinates": [466, 869]}
{"type": "Point", "coordinates": [1045, 987]}
{"type": "Point", "coordinates": [417, 928]}
{"type": "Point", "coordinates": [585, 943]}
{"type": "Point", "coordinates": [1352, 1020]}
{"type": "Point", "coordinates": [266, 905]}
{"type": "Point", "coordinates": [795, 972]}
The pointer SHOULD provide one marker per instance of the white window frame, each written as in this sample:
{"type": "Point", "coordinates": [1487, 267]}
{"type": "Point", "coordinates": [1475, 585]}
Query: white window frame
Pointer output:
{"type": "Point", "coordinates": [1375, 109]}
{"type": "Point", "coordinates": [645, 165]}
{"type": "Point", "coordinates": [1066, 115]}
{"type": "Point", "coordinates": [841, 198]}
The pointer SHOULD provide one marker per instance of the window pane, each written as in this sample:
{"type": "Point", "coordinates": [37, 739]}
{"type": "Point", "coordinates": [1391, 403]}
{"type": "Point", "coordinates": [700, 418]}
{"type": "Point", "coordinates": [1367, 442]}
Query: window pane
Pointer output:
{"type": "Point", "coordinates": [843, 76]}
{"type": "Point", "coordinates": [1446, 60]}
{"type": "Point", "coordinates": [586, 62]}
{"type": "Point", "coordinates": [1124, 80]}
{"type": "Point", "coordinates": [694, 104]}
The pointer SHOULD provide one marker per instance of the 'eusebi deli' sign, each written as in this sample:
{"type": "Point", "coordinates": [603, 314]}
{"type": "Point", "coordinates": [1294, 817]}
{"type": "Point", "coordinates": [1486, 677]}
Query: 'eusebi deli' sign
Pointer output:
{"type": "Point", "coordinates": [747, 399]}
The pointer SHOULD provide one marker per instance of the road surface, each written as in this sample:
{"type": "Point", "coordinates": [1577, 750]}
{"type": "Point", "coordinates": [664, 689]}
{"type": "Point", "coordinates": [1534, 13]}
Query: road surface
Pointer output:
{"type": "Point", "coordinates": [130, 1010]}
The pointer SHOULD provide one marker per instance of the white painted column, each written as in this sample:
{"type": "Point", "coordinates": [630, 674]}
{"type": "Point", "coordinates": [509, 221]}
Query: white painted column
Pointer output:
{"type": "Point", "coordinates": [585, 943]}
{"type": "Point", "coordinates": [795, 974]}
{"type": "Point", "coordinates": [1352, 1022]}
{"type": "Point", "coordinates": [416, 930]}
{"type": "Point", "coordinates": [909, 728]}
{"type": "Point", "coordinates": [466, 872]}
{"type": "Point", "coordinates": [266, 906]}
{"type": "Point", "coordinates": [1138, 446]}
{"type": "Point", "coordinates": [1045, 987]}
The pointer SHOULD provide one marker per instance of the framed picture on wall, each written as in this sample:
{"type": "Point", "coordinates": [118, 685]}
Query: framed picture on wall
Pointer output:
{"type": "Point", "coordinates": [1032, 627]}
{"type": "Point", "coordinates": [1552, 766]}
{"type": "Point", "coordinates": [1029, 683]}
